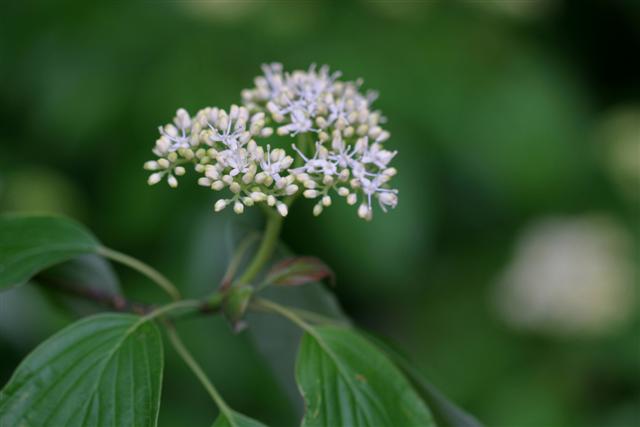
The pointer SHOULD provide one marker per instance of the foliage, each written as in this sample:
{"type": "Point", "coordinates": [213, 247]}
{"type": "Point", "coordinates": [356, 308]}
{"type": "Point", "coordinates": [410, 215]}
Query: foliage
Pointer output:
{"type": "Point", "coordinates": [107, 369]}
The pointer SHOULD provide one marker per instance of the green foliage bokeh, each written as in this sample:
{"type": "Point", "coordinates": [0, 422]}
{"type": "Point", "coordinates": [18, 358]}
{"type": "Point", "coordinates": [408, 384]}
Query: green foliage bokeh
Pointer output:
{"type": "Point", "coordinates": [494, 112]}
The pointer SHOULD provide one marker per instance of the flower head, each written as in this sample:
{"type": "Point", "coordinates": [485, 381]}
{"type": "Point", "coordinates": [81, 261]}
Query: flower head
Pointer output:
{"type": "Point", "coordinates": [339, 148]}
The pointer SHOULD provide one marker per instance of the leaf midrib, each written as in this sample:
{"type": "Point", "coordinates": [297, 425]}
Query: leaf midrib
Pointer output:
{"type": "Point", "coordinates": [334, 358]}
{"type": "Point", "coordinates": [107, 359]}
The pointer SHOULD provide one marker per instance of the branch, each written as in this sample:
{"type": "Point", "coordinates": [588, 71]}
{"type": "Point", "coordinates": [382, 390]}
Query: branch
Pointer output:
{"type": "Point", "coordinates": [113, 301]}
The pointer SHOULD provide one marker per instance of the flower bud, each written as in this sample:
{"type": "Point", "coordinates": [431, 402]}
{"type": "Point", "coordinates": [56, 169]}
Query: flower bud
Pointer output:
{"type": "Point", "coordinates": [291, 189]}
{"type": "Point", "coordinates": [258, 196]}
{"type": "Point", "coordinates": [282, 209]}
{"type": "Point", "coordinates": [220, 205]}
{"type": "Point", "coordinates": [364, 212]}
{"type": "Point", "coordinates": [235, 187]}
{"type": "Point", "coordinates": [151, 165]}
{"type": "Point", "coordinates": [154, 178]}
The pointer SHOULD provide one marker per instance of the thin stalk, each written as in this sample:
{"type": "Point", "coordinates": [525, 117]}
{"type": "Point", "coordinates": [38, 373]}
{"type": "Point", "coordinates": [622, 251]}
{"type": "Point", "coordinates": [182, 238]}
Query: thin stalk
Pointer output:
{"type": "Point", "coordinates": [199, 373]}
{"type": "Point", "coordinates": [171, 307]}
{"type": "Point", "coordinates": [284, 312]}
{"type": "Point", "coordinates": [113, 301]}
{"type": "Point", "coordinates": [272, 229]}
{"type": "Point", "coordinates": [317, 318]}
{"type": "Point", "coordinates": [267, 246]}
{"type": "Point", "coordinates": [307, 315]}
{"type": "Point", "coordinates": [236, 260]}
{"type": "Point", "coordinates": [142, 268]}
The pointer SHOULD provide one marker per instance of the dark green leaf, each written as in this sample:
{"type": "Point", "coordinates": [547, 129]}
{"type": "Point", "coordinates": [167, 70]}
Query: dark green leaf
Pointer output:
{"type": "Point", "coordinates": [444, 411]}
{"type": "Point", "coordinates": [29, 244]}
{"type": "Point", "coordinates": [101, 371]}
{"type": "Point", "coordinates": [298, 271]}
{"type": "Point", "coordinates": [346, 381]}
{"type": "Point", "coordinates": [236, 420]}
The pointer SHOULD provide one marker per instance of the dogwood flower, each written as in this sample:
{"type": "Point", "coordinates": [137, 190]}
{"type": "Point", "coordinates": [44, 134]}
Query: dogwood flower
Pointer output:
{"type": "Point", "coordinates": [339, 149]}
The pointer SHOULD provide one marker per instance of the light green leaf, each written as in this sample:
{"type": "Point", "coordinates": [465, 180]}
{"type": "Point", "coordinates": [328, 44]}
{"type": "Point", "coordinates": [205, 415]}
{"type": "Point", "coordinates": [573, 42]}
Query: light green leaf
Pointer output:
{"type": "Point", "coordinates": [346, 381]}
{"type": "Point", "coordinates": [104, 370]}
{"type": "Point", "coordinates": [236, 420]}
{"type": "Point", "coordinates": [29, 244]}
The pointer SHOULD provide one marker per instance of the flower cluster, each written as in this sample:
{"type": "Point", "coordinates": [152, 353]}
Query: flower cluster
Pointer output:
{"type": "Point", "coordinates": [339, 147]}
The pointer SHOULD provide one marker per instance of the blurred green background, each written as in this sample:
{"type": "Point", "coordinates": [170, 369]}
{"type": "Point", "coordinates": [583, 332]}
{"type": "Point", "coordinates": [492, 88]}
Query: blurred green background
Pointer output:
{"type": "Point", "coordinates": [509, 270]}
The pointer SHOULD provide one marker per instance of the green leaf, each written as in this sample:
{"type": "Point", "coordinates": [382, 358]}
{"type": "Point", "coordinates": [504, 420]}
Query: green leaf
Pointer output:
{"type": "Point", "coordinates": [346, 381]}
{"type": "Point", "coordinates": [444, 411]}
{"type": "Point", "coordinates": [29, 244]}
{"type": "Point", "coordinates": [236, 420]}
{"type": "Point", "coordinates": [102, 370]}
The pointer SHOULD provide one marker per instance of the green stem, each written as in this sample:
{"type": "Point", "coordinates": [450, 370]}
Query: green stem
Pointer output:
{"type": "Point", "coordinates": [143, 268]}
{"type": "Point", "coordinates": [267, 246]}
{"type": "Point", "coordinates": [306, 315]}
{"type": "Point", "coordinates": [284, 312]}
{"type": "Point", "coordinates": [171, 307]}
{"type": "Point", "coordinates": [272, 230]}
{"type": "Point", "coordinates": [197, 370]}
{"type": "Point", "coordinates": [236, 260]}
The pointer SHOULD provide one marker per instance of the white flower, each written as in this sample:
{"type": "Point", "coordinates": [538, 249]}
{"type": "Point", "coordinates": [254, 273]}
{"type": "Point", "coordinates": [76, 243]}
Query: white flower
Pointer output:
{"type": "Point", "coordinates": [334, 118]}
{"type": "Point", "coordinates": [377, 155]}
{"type": "Point", "coordinates": [275, 162]}
{"type": "Point", "coordinates": [569, 276]}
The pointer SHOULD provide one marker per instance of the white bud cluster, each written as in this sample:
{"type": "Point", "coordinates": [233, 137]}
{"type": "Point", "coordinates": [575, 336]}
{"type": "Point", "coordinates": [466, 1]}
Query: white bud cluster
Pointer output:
{"type": "Point", "coordinates": [347, 158]}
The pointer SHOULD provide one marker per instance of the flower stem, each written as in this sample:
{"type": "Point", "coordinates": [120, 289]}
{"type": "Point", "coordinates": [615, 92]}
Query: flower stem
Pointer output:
{"type": "Point", "coordinates": [236, 260]}
{"type": "Point", "coordinates": [197, 370]}
{"type": "Point", "coordinates": [267, 246]}
{"type": "Point", "coordinates": [143, 268]}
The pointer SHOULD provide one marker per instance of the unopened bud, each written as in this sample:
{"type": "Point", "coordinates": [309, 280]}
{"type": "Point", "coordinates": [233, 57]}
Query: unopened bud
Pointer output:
{"type": "Point", "coordinates": [282, 209]}
{"type": "Point", "coordinates": [154, 178]}
{"type": "Point", "coordinates": [220, 205]}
